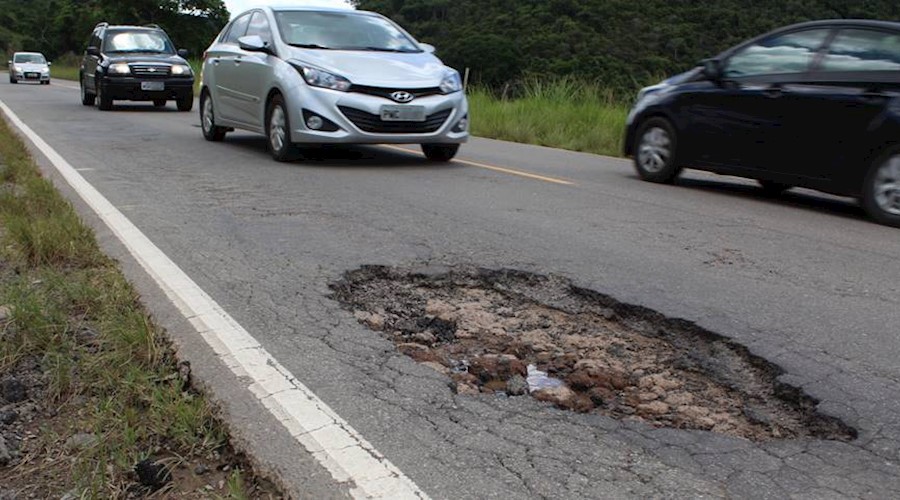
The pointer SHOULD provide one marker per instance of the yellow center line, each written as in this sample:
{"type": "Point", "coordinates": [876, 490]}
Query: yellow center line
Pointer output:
{"type": "Point", "coordinates": [495, 168]}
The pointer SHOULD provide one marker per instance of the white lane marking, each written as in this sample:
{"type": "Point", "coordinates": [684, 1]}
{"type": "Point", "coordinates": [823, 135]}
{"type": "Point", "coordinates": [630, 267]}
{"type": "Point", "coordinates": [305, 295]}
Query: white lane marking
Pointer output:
{"type": "Point", "coordinates": [329, 438]}
{"type": "Point", "coordinates": [54, 84]}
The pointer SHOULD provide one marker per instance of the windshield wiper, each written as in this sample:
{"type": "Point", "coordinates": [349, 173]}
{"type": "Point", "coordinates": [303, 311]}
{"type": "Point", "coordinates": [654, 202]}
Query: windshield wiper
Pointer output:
{"type": "Point", "coordinates": [310, 46]}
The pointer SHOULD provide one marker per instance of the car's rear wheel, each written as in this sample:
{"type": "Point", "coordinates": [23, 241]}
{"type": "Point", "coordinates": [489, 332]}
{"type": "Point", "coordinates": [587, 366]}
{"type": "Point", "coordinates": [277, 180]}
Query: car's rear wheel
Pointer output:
{"type": "Point", "coordinates": [278, 130]}
{"type": "Point", "coordinates": [104, 102]}
{"type": "Point", "coordinates": [440, 152]}
{"type": "Point", "coordinates": [654, 157]}
{"type": "Point", "coordinates": [211, 131]}
{"type": "Point", "coordinates": [87, 98]}
{"type": "Point", "coordinates": [773, 188]}
{"type": "Point", "coordinates": [881, 189]}
{"type": "Point", "coordinates": [159, 103]}
{"type": "Point", "coordinates": [185, 103]}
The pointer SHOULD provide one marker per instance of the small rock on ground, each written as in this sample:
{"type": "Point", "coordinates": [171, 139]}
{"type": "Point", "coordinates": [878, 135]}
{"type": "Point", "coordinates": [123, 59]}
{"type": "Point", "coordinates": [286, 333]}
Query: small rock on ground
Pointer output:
{"type": "Point", "coordinates": [12, 390]}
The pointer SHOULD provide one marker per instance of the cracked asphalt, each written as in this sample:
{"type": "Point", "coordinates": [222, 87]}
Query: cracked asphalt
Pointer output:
{"type": "Point", "coordinates": [804, 281]}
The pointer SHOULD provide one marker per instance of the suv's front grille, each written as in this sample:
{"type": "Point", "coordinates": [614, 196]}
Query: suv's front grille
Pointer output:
{"type": "Point", "coordinates": [368, 122]}
{"type": "Point", "coordinates": [386, 92]}
{"type": "Point", "coordinates": [150, 70]}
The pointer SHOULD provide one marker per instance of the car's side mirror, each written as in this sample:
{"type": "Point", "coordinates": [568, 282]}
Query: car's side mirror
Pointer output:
{"type": "Point", "coordinates": [253, 43]}
{"type": "Point", "coordinates": [93, 51]}
{"type": "Point", "coordinates": [8, 62]}
{"type": "Point", "coordinates": [183, 53]}
{"type": "Point", "coordinates": [712, 69]}
{"type": "Point", "coordinates": [49, 63]}
{"type": "Point", "coordinates": [427, 47]}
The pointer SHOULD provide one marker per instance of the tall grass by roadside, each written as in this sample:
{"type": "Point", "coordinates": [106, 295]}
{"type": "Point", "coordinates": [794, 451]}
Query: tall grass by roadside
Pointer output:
{"type": "Point", "coordinates": [563, 113]}
{"type": "Point", "coordinates": [105, 365]}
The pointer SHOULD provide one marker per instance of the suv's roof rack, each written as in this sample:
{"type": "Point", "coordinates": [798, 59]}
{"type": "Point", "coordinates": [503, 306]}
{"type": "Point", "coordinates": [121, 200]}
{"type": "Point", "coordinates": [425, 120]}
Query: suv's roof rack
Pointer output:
{"type": "Point", "coordinates": [104, 24]}
{"type": "Point", "coordinates": [152, 25]}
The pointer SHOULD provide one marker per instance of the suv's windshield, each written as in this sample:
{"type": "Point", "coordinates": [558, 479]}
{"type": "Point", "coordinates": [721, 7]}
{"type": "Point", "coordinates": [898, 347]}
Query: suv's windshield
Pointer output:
{"type": "Point", "coordinates": [137, 41]}
{"type": "Point", "coordinates": [341, 31]}
{"type": "Point", "coordinates": [29, 58]}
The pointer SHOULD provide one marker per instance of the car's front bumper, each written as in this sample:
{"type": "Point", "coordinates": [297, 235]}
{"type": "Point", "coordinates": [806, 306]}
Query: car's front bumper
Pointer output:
{"type": "Point", "coordinates": [358, 118]}
{"type": "Point", "coordinates": [32, 76]}
{"type": "Point", "coordinates": [129, 88]}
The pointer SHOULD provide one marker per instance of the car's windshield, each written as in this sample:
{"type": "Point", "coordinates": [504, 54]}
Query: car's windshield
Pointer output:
{"type": "Point", "coordinates": [138, 41]}
{"type": "Point", "coordinates": [29, 58]}
{"type": "Point", "coordinates": [342, 31]}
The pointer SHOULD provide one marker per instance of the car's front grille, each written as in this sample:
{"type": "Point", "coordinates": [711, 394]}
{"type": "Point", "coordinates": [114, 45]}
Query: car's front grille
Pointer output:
{"type": "Point", "coordinates": [368, 122]}
{"type": "Point", "coordinates": [149, 70]}
{"type": "Point", "coordinates": [386, 92]}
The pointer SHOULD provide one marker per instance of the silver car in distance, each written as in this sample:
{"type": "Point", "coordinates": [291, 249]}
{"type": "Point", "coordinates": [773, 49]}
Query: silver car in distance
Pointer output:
{"type": "Point", "coordinates": [330, 76]}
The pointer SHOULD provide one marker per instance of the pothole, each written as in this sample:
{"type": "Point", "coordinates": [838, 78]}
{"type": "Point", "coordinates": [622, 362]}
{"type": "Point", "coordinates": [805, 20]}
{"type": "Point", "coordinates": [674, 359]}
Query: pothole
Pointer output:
{"type": "Point", "coordinates": [510, 333]}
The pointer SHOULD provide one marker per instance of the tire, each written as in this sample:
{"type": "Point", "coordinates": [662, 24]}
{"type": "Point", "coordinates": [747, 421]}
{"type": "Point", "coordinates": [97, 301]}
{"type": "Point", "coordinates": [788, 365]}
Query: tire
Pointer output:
{"type": "Point", "coordinates": [211, 131]}
{"type": "Point", "coordinates": [773, 188]}
{"type": "Point", "coordinates": [185, 103]}
{"type": "Point", "coordinates": [440, 152]}
{"type": "Point", "coordinates": [881, 189]}
{"type": "Point", "coordinates": [278, 131]}
{"type": "Point", "coordinates": [159, 103]}
{"type": "Point", "coordinates": [45, 82]}
{"type": "Point", "coordinates": [13, 80]}
{"type": "Point", "coordinates": [103, 102]}
{"type": "Point", "coordinates": [87, 98]}
{"type": "Point", "coordinates": [655, 150]}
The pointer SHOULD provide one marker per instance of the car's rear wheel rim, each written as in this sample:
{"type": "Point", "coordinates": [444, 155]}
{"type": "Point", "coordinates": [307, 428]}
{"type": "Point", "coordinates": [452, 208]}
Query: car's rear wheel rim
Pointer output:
{"type": "Point", "coordinates": [277, 125]}
{"type": "Point", "coordinates": [655, 149]}
{"type": "Point", "coordinates": [886, 186]}
{"type": "Point", "coordinates": [208, 119]}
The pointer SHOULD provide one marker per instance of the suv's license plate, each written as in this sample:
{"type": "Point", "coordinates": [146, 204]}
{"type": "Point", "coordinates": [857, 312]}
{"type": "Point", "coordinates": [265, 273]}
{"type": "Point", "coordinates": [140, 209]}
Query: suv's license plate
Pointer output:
{"type": "Point", "coordinates": [153, 86]}
{"type": "Point", "coordinates": [403, 113]}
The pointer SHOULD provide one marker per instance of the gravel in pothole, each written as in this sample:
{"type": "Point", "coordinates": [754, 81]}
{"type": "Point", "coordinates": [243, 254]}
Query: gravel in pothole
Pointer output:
{"type": "Point", "coordinates": [512, 333]}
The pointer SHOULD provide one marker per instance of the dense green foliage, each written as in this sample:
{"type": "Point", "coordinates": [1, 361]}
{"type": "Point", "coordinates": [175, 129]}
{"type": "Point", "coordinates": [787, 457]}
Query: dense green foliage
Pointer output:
{"type": "Point", "coordinates": [56, 27]}
{"type": "Point", "coordinates": [620, 43]}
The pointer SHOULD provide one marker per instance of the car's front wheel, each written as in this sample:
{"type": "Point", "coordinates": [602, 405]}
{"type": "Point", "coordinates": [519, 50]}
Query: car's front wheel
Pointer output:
{"type": "Point", "coordinates": [881, 189]}
{"type": "Point", "coordinates": [278, 130]}
{"type": "Point", "coordinates": [87, 98]}
{"type": "Point", "coordinates": [440, 152]}
{"type": "Point", "coordinates": [211, 132]}
{"type": "Point", "coordinates": [104, 102]}
{"type": "Point", "coordinates": [12, 79]}
{"type": "Point", "coordinates": [185, 103]}
{"type": "Point", "coordinates": [654, 157]}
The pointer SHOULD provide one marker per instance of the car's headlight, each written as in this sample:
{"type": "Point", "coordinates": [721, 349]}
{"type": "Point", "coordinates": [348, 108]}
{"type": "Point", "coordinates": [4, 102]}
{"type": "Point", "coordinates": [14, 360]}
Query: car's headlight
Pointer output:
{"type": "Point", "coordinates": [45, 70]}
{"type": "Point", "coordinates": [119, 69]}
{"type": "Point", "coordinates": [181, 69]}
{"type": "Point", "coordinates": [319, 78]}
{"type": "Point", "coordinates": [18, 69]}
{"type": "Point", "coordinates": [451, 83]}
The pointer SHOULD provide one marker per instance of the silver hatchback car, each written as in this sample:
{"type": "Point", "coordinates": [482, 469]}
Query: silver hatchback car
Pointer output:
{"type": "Point", "coordinates": [326, 76]}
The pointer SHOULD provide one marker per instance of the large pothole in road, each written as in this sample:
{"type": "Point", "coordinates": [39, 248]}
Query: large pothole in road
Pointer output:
{"type": "Point", "coordinates": [511, 333]}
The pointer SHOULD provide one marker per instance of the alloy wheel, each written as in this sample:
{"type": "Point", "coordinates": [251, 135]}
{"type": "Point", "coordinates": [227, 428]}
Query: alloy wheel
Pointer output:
{"type": "Point", "coordinates": [886, 186]}
{"type": "Point", "coordinates": [655, 150]}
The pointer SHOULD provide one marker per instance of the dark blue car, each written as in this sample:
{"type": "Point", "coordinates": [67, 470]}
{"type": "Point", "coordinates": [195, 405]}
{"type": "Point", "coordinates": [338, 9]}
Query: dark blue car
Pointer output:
{"type": "Point", "coordinates": [815, 105]}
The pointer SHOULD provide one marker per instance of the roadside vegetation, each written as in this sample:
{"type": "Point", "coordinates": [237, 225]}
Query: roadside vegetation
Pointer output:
{"type": "Point", "coordinates": [93, 401]}
{"type": "Point", "coordinates": [563, 113]}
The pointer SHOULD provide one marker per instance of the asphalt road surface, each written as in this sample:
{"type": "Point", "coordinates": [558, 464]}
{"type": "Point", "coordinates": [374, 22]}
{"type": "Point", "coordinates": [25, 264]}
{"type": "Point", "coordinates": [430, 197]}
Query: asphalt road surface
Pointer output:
{"type": "Point", "coordinates": [804, 281]}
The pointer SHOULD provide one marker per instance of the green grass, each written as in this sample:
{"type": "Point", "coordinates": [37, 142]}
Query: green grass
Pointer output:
{"type": "Point", "coordinates": [564, 113]}
{"type": "Point", "coordinates": [107, 367]}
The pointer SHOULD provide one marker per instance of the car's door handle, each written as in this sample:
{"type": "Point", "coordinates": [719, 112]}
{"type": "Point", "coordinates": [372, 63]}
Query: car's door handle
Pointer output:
{"type": "Point", "coordinates": [773, 92]}
{"type": "Point", "coordinates": [237, 61]}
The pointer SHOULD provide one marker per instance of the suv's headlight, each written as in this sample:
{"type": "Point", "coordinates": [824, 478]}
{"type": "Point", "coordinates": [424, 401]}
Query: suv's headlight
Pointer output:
{"type": "Point", "coordinates": [181, 70]}
{"type": "Point", "coordinates": [119, 69]}
{"type": "Point", "coordinates": [451, 83]}
{"type": "Point", "coordinates": [319, 78]}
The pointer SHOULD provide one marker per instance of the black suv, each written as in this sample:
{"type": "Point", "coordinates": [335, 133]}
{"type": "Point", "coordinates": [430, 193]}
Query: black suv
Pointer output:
{"type": "Point", "coordinates": [815, 105]}
{"type": "Point", "coordinates": [134, 63]}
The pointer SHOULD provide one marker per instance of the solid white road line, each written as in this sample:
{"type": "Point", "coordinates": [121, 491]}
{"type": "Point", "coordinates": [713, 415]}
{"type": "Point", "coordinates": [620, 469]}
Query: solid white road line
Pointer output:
{"type": "Point", "coordinates": [338, 447]}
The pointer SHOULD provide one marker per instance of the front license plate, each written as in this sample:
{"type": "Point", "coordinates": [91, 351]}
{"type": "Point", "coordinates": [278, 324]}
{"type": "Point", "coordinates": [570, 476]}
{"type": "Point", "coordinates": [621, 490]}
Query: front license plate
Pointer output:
{"type": "Point", "coordinates": [32, 75]}
{"type": "Point", "coordinates": [153, 86]}
{"type": "Point", "coordinates": [403, 113]}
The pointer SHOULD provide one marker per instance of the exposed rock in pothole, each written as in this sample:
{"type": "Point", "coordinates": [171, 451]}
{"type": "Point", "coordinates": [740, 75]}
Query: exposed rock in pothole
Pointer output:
{"type": "Point", "coordinates": [514, 333]}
